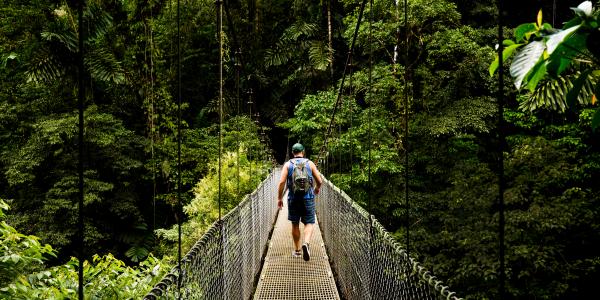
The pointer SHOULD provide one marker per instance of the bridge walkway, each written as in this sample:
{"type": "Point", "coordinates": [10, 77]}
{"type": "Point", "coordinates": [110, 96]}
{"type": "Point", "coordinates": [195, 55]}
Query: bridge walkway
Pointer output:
{"type": "Point", "coordinates": [287, 277]}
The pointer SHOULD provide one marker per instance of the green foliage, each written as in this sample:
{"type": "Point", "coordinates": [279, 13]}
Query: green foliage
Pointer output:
{"type": "Point", "coordinates": [19, 253]}
{"type": "Point", "coordinates": [131, 134]}
{"type": "Point", "coordinates": [105, 278]}
{"type": "Point", "coordinates": [55, 59]}
{"type": "Point", "coordinates": [112, 153]}
{"type": "Point", "coordinates": [24, 276]}
{"type": "Point", "coordinates": [240, 176]}
{"type": "Point", "coordinates": [548, 52]}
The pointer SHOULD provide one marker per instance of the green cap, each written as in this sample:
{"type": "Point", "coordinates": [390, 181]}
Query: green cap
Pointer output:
{"type": "Point", "coordinates": [297, 148]}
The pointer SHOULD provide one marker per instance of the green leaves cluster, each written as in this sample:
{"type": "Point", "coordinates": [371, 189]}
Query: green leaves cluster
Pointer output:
{"type": "Point", "coordinates": [19, 253]}
{"type": "Point", "coordinates": [568, 56]}
{"type": "Point", "coordinates": [23, 274]}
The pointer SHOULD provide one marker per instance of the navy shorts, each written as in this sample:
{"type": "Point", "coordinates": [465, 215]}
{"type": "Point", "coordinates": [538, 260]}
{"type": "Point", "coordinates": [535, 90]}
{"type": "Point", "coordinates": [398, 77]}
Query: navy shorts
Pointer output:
{"type": "Point", "coordinates": [301, 210]}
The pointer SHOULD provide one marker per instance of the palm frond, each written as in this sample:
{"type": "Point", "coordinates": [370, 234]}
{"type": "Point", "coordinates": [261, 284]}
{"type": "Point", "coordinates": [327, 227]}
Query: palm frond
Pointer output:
{"type": "Point", "coordinates": [67, 38]}
{"type": "Point", "coordinates": [99, 22]}
{"type": "Point", "coordinates": [44, 68]}
{"type": "Point", "coordinates": [104, 66]}
{"type": "Point", "coordinates": [278, 55]}
{"type": "Point", "coordinates": [552, 94]}
{"type": "Point", "coordinates": [298, 29]}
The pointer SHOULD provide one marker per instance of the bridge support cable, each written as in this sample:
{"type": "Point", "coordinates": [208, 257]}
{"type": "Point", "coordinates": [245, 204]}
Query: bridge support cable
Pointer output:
{"type": "Point", "coordinates": [219, 4]}
{"type": "Point", "coordinates": [501, 145]}
{"type": "Point", "coordinates": [322, 152]}
{"type": "Point", "coordinates": [351, 129]}
{"type": "Point", "coordinates": [179, 205]}
{"type": "Point", "coordinates": [250, 103]}
{"type": "Point", "coordinates": [370, 141]}
{"type": "Point", "coordinates": [238, 65]}
{"type": "Point", "coordinates": [406, 111]}
{"type": "Point", "coordinates": [226, 261]}
{"type": "Point", "coordinates": [80, 140]}
{"type": "Point", "coordinates": [358, 242]}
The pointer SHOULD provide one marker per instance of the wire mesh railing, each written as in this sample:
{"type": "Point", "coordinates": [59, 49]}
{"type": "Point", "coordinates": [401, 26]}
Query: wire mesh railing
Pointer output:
{"type": "Point", "coordinates": [367, 260]}
{"type": "Point", "coordinates": [226, 261]}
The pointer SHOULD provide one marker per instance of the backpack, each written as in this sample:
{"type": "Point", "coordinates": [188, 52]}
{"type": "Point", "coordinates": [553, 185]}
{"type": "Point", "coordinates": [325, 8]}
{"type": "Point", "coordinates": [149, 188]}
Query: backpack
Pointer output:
{"type": "Point", "coordinates": [300, 178]}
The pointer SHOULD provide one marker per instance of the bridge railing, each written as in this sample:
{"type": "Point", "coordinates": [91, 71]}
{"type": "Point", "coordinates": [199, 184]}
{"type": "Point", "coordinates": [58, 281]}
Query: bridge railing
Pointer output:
{"type": "Point", "coordinates": [225, 262]}
{"type": "Point", "coordinates": [368, 261]}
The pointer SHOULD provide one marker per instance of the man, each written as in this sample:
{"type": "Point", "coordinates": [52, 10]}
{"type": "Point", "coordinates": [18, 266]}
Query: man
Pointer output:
{"type": "Point", "coordinates": [301, 205]}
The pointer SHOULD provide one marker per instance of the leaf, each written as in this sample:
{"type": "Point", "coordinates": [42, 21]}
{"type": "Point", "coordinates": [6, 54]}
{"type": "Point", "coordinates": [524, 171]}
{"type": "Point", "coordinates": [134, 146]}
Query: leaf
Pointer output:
{"type": "Point", "coordinates": [584, 9]}
{"type": "Point", "coordinates": [554, 40]}
{"type": "Point", "coordinates": [539, 19]}
{"type": "Point", "coordinates": [66, 38]}
{"type": "Point", "coordinates": [508, 51]}
{"type": "Point", "coordinates": [318, 55]}
{"type": "Point", "coordinates": [577, 85]}
{"type": "Point", "coordinates": [525, 60]}
{"type": "Point", "coordinates": [523, 29]}
{"type": "Point", "coordinates": [536, 75]}
{"type": "Point", "coordinates": [564, 54]}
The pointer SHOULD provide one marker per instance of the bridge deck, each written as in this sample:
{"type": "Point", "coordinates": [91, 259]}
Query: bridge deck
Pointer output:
{"type": "Point", "coordinates": [287, 277]}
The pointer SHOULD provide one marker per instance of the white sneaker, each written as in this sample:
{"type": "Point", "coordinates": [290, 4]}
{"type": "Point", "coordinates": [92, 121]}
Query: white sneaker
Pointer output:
{"type": "Point", "coordinates": [296, 253]}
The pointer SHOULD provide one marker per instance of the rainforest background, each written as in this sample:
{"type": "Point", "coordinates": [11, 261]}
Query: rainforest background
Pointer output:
{"type": "Point", "coordinates": [283, 61]}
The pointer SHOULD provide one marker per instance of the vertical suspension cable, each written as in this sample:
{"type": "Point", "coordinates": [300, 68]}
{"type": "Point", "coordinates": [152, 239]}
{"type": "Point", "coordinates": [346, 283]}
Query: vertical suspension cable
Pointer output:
{"type": "Point", "coordinates": [341, 87]}
{"type": "Point", "coordinates": [179, 206]}
{"type": "Point", "coordinates": [220, 37]}
{"type": "Point", "coordinates": [370, 141]}
{"type": "Point", "coordinates": [553, 12]}
{"type": "Point", "coordinates": [250, 93]}
{"type": "Point", "coordinates": [80, 95]}
{"type": "Point", "coordinates": [501, 141]}
{"type": "Point", "coordinates": [406, 63]}
{"type": "Point", "coordinates": [152, 120]}
{"type": "Point", "coordinates": [351, 129]}
{"type": "Point", "coordinates": [238, 66]}
{"type": "Point", "coordinates": [370, 138]}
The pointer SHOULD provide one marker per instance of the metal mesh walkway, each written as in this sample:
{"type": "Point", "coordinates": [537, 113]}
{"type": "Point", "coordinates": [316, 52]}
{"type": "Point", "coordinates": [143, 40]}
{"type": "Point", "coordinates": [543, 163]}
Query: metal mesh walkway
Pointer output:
{"type": "Point", "coordinates": [287, 277]}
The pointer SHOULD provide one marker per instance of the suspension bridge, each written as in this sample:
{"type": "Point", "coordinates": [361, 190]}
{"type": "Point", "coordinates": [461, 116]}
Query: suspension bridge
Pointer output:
{"type": "Point", "coordinates": [247, 255]}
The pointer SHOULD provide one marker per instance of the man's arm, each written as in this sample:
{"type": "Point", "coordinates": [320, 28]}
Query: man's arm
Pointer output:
{"type": "Point", "coordinates": [281, 187]}
{"type": "Point", "coordinates": [316, 176]}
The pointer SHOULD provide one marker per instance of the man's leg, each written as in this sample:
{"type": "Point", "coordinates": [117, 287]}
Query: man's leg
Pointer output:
{"type": "Point", "coordinates": [296, 235]}
{"type": "Point", "coordinates": [308, 230]}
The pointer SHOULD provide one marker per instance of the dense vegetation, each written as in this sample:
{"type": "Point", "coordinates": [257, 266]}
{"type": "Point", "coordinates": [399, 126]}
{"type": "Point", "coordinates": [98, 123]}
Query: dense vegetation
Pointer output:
{"type": "Point", "coordinates": [288, 57]}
